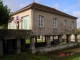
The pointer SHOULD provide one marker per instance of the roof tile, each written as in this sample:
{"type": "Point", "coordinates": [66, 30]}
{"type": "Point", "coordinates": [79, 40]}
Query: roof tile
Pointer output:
{"type": "Point", "coordinates": [39, 6]}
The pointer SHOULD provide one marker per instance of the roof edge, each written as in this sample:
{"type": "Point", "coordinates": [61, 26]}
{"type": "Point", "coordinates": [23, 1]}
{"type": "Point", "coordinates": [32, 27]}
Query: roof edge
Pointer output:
{"type": "Point", "coordinates": [32, 6]}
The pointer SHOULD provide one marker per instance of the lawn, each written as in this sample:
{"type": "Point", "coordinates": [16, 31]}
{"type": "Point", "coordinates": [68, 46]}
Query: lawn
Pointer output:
{"type": "Point", "coordinates": [26, 56]}
{"type": "Point", "coordinates": [74, 57]}
{"type": "Point", "coordinates": [29, 56]}
{"type": "Point", "coordinates": [56, 55]}
{"type": "Point", "coordinates": [28, 41]}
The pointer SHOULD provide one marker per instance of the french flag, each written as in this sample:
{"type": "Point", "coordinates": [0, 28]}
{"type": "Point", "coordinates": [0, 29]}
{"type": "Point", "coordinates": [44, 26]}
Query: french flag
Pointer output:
{"type": "Point", "coordinates": [17, 18]}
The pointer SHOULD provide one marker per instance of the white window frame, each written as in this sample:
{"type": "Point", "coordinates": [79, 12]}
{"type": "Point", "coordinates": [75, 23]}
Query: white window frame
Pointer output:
{"type": "Point", "coordinates": [41, 21]}
{"type": "Point", "coordinates": [55, 22]}
{"type": "Point", "coordinates": [72, 24]}
{"type": "Point", "coordinates": [65, 24]}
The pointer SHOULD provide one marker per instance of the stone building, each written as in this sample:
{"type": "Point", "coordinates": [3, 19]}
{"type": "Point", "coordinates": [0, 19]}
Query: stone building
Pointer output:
{"type": "Point", "coordinates": [44, 21]}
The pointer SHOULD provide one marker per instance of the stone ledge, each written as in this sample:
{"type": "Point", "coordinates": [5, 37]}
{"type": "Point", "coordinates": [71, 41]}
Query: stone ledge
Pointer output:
{"type": "Point", "coordinates": [12, 33]}
{"type": "Point", "coordinates": [56, 48]}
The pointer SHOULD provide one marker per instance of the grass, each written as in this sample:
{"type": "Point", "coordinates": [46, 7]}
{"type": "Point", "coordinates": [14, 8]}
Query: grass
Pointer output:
{"type": "Point", "coordinates": [29, 56]}
{"type": "Point", "coordinates": [56, 55]}
{"type": "Point", "coordinates": [74, 57]}
{"type": "Point", "coordinates": [26, 56]}
{"type": "Point", "coordinates": [28, 41]}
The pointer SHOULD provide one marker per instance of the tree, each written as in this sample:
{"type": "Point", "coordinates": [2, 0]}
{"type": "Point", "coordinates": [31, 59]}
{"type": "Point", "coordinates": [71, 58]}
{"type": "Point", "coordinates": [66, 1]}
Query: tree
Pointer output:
{"type": "Point", "coordinates": [4, 14]}
{"type": "Point", "coordinates": [78, 31]}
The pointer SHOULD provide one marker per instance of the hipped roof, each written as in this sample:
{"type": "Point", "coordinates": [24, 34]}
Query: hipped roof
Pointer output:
{"type": "Point", "coordinates": [44, 8]}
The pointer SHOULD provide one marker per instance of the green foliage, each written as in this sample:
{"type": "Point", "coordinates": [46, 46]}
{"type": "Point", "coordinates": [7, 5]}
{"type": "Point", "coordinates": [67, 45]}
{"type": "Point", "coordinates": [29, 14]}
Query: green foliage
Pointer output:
{"type": "Point", "coordinates": [78, 31]}
{"type": "Point", "coordinates": [26, 56]}
{"type": "Point", "coordinates": [28, 41]}
{"type": "Point", "coordinates": [4, 13]}
{"type": "Point", "coordinates": [5, 26]}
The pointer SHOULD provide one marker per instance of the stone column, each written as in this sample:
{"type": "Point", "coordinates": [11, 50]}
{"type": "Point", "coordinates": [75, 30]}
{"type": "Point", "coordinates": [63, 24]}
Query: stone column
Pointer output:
{"type": "Point", "coordinates": [23, 45]}
{"type": "Point", "coordinates": [35, 39]}
{"type": "Point", "coordinates": [18, 51]}
{"type": "Point", "coordinates": [32, 43]}
{"type": "Point", "coordinates": [76, 40]}
{"type": "Point", "coordinates": [1, 47]}
{"type": "Point", "coordinates": [53, 38]}
{"type": "Point", "coordinates": [68, 38]}
{"type": "Point", "coordinates": [48, 41]}
{"type": "Point", "coordinates": [41, 37]}
{"type": "Point", "coordinates": [60, 39]}
{"type": "Point", "coordinates": [45, 39]}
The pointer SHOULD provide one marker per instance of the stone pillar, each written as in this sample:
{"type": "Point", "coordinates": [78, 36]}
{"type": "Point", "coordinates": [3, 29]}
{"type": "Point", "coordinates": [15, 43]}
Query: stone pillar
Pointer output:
{"type": "Point", "coordinates": [35, 39]}
{"type": "Point", "coordinates": [23, 45]}
{"type": "Point", "coordinates": [53, 38]}
{"type": "Point", "coordinates": [60, 39]}
{"type": "Point", "coordinates": [68, 39]}
{"type": "Point", "coordinates": [45, 39]}
{"type": "Point", "coordinates": [32, 43]}
{"type": "Point", "coordinates": [76, 40]}
{"type": "Point", "coordinates": [18, 51]}
{"type": "Point", "coordinates": [48, 41]}
{"type": "Point", "coordinates": [41, 37]}
{"type": "Point", "coordinates": [1, 47]}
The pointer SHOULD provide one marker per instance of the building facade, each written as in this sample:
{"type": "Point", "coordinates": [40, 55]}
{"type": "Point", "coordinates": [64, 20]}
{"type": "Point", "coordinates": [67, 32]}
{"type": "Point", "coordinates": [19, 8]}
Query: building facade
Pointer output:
{"type": "Point", "coordinates": [47, 22]}
{"type": "Point", "coordinates": [43, 20]}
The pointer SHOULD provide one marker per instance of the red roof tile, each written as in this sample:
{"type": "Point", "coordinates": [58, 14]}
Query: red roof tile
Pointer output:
{"type": "Point", "coordinates": [45, 8]}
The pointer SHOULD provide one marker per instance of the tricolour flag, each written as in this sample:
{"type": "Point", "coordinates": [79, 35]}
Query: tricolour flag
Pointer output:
{"type": "Point", "coordinates": [17, 18]}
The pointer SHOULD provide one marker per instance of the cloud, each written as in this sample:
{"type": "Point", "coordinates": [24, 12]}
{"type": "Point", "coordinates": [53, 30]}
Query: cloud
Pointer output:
{"type": "Point", "coordinates": [15, 5]}
{"type": "Point", "coordinates": [65, 10]}
{"type": "Point", "coordinates": [56, 6]}
{"type": "Point", "coordinates": [77, 14]}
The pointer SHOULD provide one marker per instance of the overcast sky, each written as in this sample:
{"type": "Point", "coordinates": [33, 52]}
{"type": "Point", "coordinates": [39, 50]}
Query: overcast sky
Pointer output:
{"type": "Point", "coordinates": [71, 7]}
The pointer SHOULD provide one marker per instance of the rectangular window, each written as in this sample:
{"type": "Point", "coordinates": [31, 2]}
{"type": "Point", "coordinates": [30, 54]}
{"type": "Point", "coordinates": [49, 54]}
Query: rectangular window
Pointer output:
{"type": "Point", "coordinates": [11, 25]}
{"type": "Point", "coordinates": [25, 22]}
{"type": "Point", "coordinates": [41, 22]}
{"type": "Point", "coordinates": [65, 23]}
{"type": "Point", "coordinates": [55, 22]}
{"type": "Point", "coordinates": [72, 24]}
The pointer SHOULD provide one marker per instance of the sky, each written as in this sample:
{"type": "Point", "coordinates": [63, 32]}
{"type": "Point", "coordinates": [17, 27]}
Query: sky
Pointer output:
{"type": "Point", "coordinates": [71, 7]}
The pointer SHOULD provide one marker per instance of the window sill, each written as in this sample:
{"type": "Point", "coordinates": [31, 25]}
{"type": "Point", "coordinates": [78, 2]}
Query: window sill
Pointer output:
{"type": "Point", "coordinates": [55, 27]}
{"type": "Point", "coordinates": [65, 28]}
{"type": "Point", "coordinates": [41, 26]}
